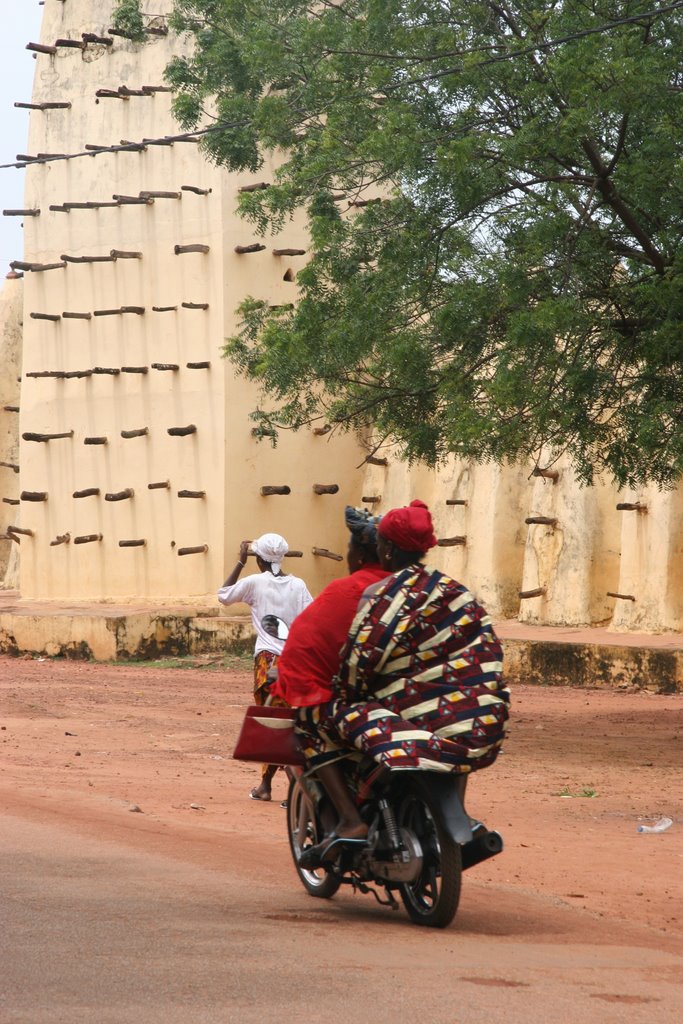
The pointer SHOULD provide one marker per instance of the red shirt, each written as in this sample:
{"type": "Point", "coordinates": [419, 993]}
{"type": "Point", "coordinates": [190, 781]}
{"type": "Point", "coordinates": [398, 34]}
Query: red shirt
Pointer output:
{"type": "Point", "coordinates": [311, 655]}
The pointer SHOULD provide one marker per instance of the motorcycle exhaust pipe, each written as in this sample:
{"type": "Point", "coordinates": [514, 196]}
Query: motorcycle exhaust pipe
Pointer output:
{"type": "Point", "coordinates": [481, 848]}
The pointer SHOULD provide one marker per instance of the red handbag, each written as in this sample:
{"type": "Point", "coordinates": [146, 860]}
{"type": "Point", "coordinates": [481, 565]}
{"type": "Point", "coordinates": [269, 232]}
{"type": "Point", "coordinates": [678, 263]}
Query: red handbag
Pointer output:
{"type": "Point", "coordinates": [267, 735]}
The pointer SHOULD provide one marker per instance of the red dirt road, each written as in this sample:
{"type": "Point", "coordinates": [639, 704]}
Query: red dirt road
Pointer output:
{"type": "Point", "coordinates": [580, 919]}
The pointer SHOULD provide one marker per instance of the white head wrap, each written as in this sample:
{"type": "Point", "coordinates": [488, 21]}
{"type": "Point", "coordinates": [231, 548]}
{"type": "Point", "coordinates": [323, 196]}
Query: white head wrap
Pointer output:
{"type": "Point", "coordinates": [271, 547]}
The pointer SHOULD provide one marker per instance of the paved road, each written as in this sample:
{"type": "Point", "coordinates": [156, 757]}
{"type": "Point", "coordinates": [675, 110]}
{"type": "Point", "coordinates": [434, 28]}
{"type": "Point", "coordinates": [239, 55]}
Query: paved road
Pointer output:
{"type": "Point", "coordinates": [95, 930]}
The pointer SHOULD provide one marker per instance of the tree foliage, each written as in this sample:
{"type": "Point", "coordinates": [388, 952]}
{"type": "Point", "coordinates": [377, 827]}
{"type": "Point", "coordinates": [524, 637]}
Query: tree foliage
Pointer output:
{"type": "Point", "coordinates": [127, 19]}
{"type": "Point", "coordinates": [504, 273]}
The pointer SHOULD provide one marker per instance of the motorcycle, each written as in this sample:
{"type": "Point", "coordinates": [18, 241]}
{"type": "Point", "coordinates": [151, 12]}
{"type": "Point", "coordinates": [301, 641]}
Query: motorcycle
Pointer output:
{"type": "Point", "coordinates": [420, 838]}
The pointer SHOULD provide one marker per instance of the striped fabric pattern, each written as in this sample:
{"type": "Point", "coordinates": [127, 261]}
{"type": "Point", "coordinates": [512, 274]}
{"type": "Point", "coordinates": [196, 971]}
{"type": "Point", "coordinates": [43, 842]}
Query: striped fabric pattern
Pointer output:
{"type": "Point", "coordinates": [420, 684]}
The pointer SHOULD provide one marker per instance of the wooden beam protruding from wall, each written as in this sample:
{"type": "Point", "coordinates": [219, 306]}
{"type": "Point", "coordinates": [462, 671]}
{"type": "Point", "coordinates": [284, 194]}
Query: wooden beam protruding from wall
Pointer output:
{"type": "Point", "coordinates": [541, 521]}
{"type": "Point", "coordinates": [631, 506]}
{"type": "Point", "coordinates": [149, 193]}
{"type": "Point", "coordinates": [43, 106]}
{"type": "Point", "coordinates": [325, 553]}
{"type": "Point", "coordinates": [182, 431]}
{"type": "Point", "coordinates": [87, 259]}
{"type": "Point", "coordinates": [30, 436]}
{"type": "Point", "coordinates": [127, 492]}
{"type": "Point", "coordinates": [547, 474]}
{"type": "Point", "coordinates": [35, 268]}
{"type": "Point", "coordinates": [199, 247]}
{"type": "Point", "coordinates": [526, 594]}
{"type": "Point", "coordinates": [41, 48]}
{"type": "Point", "coordinates": [61, 538]}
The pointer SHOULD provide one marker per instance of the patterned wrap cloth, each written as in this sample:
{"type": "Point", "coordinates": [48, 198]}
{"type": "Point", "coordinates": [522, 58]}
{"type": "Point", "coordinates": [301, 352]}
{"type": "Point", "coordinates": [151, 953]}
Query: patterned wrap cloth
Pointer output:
{"type": "Point", "coordinates": [263, 661]}
{"type": "Point", "coordinates": [420, 684]}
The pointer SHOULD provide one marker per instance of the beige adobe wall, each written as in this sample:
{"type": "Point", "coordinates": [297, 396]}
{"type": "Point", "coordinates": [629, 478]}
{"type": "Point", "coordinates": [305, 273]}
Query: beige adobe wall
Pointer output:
{"type": "Point", "coordinates": [11, 314]}
{"type": "Point", "coordinates": [575, 557]}
{"type": "Point", "coordinates": [651, 571]}
{"type": "Point", "coordinates": [301, 460]}
{"type": "Point", "coordinates": [221, 458]}
{"type": "Point", "coordinates": [587, 553]}
{"type": "Point", "coordinates": [481, 541]}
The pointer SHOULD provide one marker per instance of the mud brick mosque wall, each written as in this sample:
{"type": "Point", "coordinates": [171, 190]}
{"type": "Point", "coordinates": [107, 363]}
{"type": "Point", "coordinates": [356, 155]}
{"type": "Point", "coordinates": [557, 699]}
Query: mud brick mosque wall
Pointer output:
{"type": "Point", "coordinates": [133, 437]}
{"type": "Point", "coordinates": [139, 471]}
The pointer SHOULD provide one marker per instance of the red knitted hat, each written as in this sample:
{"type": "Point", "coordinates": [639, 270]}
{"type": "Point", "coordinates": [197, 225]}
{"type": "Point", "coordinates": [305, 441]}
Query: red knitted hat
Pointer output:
{"type": "Point", "coordinates": [409, 528]}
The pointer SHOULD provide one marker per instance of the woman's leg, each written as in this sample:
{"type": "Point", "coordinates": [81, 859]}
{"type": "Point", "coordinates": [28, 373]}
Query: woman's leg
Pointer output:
{"type": "Point", "coordinates": [321, 748]}
{"type": "Point", "coordinates": [262, 663]}
{"type": "Point", "coordinates": [350, 824]}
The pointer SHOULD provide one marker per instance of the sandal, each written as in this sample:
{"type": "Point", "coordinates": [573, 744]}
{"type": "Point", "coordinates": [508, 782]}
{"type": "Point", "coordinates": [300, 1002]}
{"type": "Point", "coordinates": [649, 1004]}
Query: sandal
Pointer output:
{"type": "Point", "coordinates": [254, 795]}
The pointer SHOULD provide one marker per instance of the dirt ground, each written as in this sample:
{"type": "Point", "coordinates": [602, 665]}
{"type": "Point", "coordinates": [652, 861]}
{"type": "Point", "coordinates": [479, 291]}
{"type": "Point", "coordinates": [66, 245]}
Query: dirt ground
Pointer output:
{"type": "Point", "coordinates": [142, 754]}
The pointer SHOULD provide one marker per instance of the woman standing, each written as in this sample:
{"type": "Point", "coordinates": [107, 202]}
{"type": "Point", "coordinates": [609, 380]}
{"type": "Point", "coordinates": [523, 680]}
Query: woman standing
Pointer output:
{"type": "Point", "coordinates": [273, 596]}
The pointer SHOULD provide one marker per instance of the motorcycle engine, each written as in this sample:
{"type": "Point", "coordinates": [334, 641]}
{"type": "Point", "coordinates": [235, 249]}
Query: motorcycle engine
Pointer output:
{"type": "Point", "coordinates": [391, 865]}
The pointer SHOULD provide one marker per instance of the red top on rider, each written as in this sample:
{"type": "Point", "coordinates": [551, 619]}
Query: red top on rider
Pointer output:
{"type": "Point", "coordinates": [310, 659]}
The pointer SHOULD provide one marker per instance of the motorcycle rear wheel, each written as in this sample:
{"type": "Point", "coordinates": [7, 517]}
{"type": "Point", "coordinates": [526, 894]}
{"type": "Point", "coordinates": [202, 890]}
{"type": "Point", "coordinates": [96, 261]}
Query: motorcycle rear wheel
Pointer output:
{"type": "Point", "coordinates": [432, 899]}
{"type": "Point", "coordinates": [303, 830]}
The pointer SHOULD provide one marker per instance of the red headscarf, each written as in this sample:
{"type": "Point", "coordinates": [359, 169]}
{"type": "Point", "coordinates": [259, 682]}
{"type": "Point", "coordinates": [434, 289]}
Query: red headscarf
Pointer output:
{"type": "Point", "coordinates": [409, 528]}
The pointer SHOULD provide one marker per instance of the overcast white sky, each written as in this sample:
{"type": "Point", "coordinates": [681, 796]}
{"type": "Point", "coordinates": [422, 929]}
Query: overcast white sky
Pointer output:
{"type": "Point", "coordinates": [20, 25]}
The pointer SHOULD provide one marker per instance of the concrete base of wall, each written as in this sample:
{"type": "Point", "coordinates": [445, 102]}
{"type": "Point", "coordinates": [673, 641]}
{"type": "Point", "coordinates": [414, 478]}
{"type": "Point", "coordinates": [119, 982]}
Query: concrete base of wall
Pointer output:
{"type": "Point", "coordinates": [113, 633]}
{"type": "Point", "coordinates": [566, 656]}
{"type": "Point", "coordinates": [542, 655]}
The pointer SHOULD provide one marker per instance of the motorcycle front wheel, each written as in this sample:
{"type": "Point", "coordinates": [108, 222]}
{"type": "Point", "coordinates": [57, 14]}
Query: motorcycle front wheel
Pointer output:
{"type": "Point", "coordinates": [432, 899]}
{"type": "Point", "coordinates": [303, 830]}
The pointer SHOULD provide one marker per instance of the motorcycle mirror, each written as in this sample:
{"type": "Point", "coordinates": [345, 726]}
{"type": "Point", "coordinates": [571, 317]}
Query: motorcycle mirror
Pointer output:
{"type": "Point", "coordinates": [275, 626]}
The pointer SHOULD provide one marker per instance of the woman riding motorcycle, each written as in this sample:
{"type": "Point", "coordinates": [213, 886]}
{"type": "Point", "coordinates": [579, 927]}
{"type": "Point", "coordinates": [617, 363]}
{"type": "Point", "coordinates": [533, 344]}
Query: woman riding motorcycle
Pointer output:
{"type": "Point", "coordinates": [310, 658]}
{"type": "Point", "coordinates": [420, 682]}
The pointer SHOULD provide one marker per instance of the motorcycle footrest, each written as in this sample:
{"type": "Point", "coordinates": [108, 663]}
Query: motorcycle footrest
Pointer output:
{"type": "Point", "coordinates": [481, 848]}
